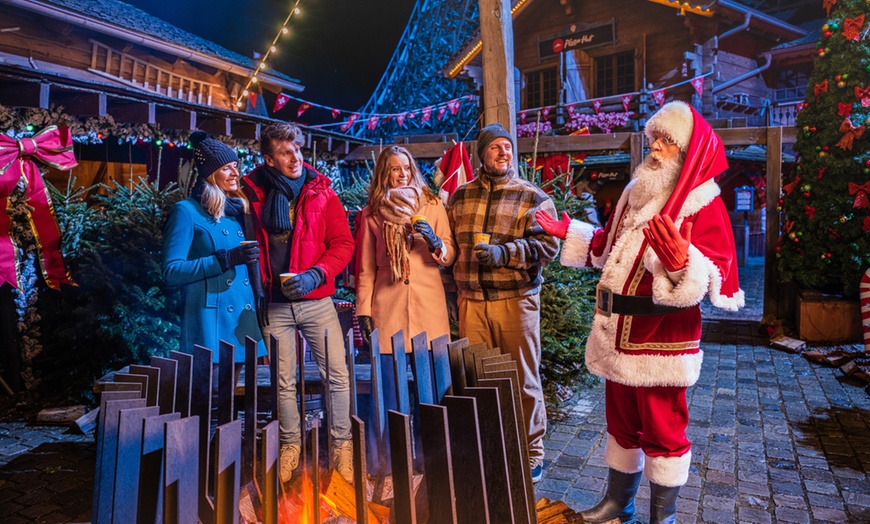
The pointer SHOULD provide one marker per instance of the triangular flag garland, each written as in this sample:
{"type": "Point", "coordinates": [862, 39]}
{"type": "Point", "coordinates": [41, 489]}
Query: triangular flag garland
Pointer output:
{"type": "Point", "coordinates": [335, 113]}
{"type": "Point", "coordinates": [303, 107]}
{"type": "Point", "coordinates": [453, 105]}
{"type": "Point", "coordinates": [523, 117]}
{"type": "Point", "coordinates": [427, 112]}
{"type": "Point", "coordinates": [441, 111]}
{"type": "Point", "coordinates": [545, 113]}
{"type": "Point", "coordinates": [350, 120]}
{"type": "Point", "coordinates": [373, 122]}
{"type": "Point", "coordinates": [596, 105]}
{"type": "Point", "coordinates": [659, 96]}
{"type": "Point", "coordinates": [626, 99]}
{"type": "Point", "coordinates": [280, 101]}
{"type": "Point", "coordinates": [400, 119]}
{"type": "Point", "coordinates": [698, 84]}
{"type": "Point", "coordinates": [252, 98]}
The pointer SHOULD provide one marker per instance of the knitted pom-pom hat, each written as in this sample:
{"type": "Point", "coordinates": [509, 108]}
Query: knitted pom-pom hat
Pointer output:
{"type": "Point", "coordinates": [209, 154]}
{"type": "Point", "coordinates": [675, 120]}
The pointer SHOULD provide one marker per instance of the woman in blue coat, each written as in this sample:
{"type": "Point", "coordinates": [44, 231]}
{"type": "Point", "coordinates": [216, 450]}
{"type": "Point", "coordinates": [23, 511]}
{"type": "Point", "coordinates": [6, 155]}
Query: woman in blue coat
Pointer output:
{"type": "Point", "coordinates": [203, 253]}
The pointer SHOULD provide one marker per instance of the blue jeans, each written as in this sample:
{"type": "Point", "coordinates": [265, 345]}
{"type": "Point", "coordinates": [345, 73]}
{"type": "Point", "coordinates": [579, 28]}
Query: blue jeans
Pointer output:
{"type": "Point", "coordinates": [311, 318]}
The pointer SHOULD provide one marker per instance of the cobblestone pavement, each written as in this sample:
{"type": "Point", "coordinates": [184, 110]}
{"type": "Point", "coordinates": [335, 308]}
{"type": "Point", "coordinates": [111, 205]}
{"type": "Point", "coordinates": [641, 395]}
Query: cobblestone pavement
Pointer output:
{"type": "Point", "coordinates": [775, 439]}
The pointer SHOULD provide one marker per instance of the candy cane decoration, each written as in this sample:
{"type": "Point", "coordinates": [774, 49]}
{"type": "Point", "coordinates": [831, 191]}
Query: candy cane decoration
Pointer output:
{"type": "Point", "coordinates": [865, 309]}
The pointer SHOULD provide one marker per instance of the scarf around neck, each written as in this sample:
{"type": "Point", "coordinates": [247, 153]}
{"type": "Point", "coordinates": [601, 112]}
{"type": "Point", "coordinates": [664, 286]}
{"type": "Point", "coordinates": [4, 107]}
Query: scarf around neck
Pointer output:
{"type": "Point", "coordinates": [397, 208]}
{"type": "Point", "coordinates": [280, 199]}
{"type": "Point", "coordinates": [233, 207]}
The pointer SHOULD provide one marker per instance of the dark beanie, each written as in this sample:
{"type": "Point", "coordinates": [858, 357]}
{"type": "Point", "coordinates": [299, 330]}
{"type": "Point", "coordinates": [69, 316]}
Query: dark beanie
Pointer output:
{"type": "Point", "coordinates": [490, 133]}
{"type": "Point", "coordinates": [209, 154]}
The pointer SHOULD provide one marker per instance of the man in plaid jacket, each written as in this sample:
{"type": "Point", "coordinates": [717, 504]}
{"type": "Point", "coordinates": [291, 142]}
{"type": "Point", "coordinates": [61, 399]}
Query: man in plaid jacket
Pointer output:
{"type": "Point", "coordinates": [499, 281]}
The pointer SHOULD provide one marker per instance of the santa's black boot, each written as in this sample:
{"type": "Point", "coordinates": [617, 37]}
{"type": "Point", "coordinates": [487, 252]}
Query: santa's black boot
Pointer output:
{"type": "Point", "coordinates": [662, 504]}
{"type": "Point", "coordinates": [618, 502]}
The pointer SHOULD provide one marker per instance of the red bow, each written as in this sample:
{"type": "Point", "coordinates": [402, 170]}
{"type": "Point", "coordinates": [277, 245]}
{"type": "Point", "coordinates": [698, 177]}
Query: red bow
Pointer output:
{"type": "Point", "coordinates": [860, 191]}
{"type": "Point", "coordinates": [844, 109]}
{"type": "Point", "coordinates": [863, 95]}
{"type": "Point", "coordinates": [52, 147]}
{"type": "Point", "coordinates": [820, 88]}
{"type": "Point", "coordinates": [851, 133]}
{"type": "Point", "coordinates": [852, 26]}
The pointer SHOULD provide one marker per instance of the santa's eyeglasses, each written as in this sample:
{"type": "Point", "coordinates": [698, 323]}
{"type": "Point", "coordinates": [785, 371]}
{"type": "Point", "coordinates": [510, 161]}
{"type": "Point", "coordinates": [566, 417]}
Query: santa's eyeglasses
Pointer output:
{"type": "Point", "coordinates": [664, 139]}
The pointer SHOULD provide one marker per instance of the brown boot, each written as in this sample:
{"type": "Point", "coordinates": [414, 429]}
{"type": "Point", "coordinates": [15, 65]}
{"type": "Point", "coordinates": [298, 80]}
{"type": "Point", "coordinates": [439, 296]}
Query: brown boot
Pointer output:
{"type": "Point", "coordinates": [342, 459]}
{"type": "Point", "coordinates": [288, 460]}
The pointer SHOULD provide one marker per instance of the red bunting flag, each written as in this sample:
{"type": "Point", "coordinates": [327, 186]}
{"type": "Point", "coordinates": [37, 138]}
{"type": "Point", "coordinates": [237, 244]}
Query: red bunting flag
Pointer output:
{"type": "Point", "coordinates": [659, 96]}
{"type": "Point", "coordinates": [410, 116]}
{"type": "Point", "coordinates": [453, 106]}
{"type": "Point", "coordinates": [400, 119]}
{"type": "Point", "coordinates": [427, 112]}
{"type": "Point", "coordinates": [373, 122]}
{"type": "Point", "coordinates": [252, 98]}
{"type": "Point", "coordinates": [596, 105]}
{"type": "Point", "coordinates": [522, 117]}
{"type": "Point", "coordinates": [335, 113]}
{"type": "Point", "coordinates": [280, 101]}
{"type": "Point", "coordinates": [571, 110]}
{"type": "Point", "coordinates": [626, 99]}
{"type": "Point", "coordinates": [545, 113]}
{"type": "Point", "coordinates": [441, 111]}
{"type": "Point", "coordinates": [350, 120]}
{"type": "Point", "coordinates": [303, 107]}
{"type": "Point", "coordinates": [698, 84]}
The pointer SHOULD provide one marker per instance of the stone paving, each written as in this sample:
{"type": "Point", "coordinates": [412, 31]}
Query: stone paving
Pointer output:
{"type": "Point", "coordinates": [776, 439]}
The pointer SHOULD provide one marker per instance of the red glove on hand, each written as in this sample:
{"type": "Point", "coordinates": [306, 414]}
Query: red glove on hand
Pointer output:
{"type": "Point", "coordinates": [557, 228]}
{"type": "Point", "coordinates": [671, 246]}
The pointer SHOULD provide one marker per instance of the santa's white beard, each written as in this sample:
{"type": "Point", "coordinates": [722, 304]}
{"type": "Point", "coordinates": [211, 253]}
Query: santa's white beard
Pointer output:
{"type": "Point", "coordinates": [655, 179]}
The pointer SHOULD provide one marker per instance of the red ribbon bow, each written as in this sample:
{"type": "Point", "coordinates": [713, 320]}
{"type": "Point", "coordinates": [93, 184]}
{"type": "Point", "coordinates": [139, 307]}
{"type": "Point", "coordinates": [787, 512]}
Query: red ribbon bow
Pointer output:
{"type": "Point", "coordinates": [53, 147]}
{"type": "Point", "coordinates": [852, 28]}
{"type": "Point", "coordinates": [863, 94]}
{"type": "Point", "coordinates": [851, 134]}
{"type": "Point", "coordinates": [820, 88]}
{"type": "Point", "coordinates": [860, 191]}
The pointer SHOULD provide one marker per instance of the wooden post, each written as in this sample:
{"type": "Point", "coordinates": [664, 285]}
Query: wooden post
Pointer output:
{"type": "Point", "coordinates": [497, 36]}
{"type": "Point", "coordinates": [771, 226]}
{"type": "Point", "coordinates": [636, 150]}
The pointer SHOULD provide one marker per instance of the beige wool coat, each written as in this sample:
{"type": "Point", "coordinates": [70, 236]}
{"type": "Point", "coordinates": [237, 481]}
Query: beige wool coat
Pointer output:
{"type": "Point", "coordinates": [414, 307]}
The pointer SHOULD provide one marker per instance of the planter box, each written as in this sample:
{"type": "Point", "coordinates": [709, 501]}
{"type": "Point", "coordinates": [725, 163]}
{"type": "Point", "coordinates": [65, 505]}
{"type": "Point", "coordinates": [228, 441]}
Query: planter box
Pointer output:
{"type": "Point", "coordinates": [828, 318]}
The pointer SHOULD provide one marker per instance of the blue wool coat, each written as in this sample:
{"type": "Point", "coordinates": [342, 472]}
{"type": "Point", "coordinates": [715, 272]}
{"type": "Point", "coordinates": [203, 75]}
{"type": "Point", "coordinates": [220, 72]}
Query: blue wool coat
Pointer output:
{"type": "Point", "coordinates": [217, 305]}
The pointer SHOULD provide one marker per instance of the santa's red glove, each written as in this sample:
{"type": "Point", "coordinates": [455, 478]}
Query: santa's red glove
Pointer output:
{"type": "Point", "coordinates": [671, 246]}
{"type": "Point", "coordinates": [557, 228]}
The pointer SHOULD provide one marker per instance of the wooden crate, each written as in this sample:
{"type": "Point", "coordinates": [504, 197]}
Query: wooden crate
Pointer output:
{"type": "Point", "coordinates": [828, 318]}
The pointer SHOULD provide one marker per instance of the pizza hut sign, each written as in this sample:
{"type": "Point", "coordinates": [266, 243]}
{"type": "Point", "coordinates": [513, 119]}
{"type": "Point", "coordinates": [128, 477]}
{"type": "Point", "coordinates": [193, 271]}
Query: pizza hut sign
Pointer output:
{"type": "Point", "coordinates": [591, 37]}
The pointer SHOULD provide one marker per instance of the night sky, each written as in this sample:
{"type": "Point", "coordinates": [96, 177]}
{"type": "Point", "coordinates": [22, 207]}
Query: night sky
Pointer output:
{"type": "Point", "coordinates": [337, 49]}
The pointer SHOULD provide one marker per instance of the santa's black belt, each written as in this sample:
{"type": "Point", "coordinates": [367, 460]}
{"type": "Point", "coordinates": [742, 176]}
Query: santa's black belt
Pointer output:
{"type": "Point", "coordinates": [607, 302]}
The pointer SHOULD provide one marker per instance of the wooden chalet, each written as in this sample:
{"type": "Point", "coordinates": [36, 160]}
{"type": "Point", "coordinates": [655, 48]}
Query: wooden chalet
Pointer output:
{"type": "Point", "coordinates": [106, 58]}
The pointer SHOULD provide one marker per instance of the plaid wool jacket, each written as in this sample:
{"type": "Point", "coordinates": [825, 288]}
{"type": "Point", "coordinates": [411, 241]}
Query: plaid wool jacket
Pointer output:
{"type": "Point", "coordinates": [505, 208]}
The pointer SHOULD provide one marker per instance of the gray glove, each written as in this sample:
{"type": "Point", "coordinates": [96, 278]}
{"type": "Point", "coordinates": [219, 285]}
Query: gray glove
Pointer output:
{"type": "Point", "coordinates": [297, 287]}
{"type": "Point", "coordinates": [432, 240]}
{"type": "Point", "coordinates": [491, 255]}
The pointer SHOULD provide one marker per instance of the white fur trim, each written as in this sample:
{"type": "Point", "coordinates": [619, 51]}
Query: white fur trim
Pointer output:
{"type": "Point", "coordinates": [621, 459]}
{"type": "Point", "coordinates": [690, 290]}
{"type": "Point", "coordinates": [669, 472]}
{"type": "Point", "coordinates": [675, 120]}
{"type": "Point", "coordinates": [575, 250]}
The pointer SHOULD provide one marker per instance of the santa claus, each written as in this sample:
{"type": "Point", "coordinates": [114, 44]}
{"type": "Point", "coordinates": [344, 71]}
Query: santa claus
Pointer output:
{"type": "Point", "coordinates": [667, 244]}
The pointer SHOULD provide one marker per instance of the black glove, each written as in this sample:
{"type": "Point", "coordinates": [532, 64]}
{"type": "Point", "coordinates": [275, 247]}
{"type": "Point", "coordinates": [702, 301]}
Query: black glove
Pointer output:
{"type": "Point", "coordinates": [297, 287]}
{"type": "Point", "coordinates": [432, 240]}
{"type": "Point", "coordinates": [259, 294]}
{"type": "Point", "coordinates": [491, 255]}
{"type": "Point", "coordinates": [366, 326]}
{"type": "Point", "coordinates": [230, 258]}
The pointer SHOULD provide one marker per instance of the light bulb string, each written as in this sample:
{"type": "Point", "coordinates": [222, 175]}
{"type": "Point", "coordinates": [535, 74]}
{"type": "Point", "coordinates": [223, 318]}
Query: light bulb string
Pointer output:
{"type": "Point", "coordinates": [262, 64]}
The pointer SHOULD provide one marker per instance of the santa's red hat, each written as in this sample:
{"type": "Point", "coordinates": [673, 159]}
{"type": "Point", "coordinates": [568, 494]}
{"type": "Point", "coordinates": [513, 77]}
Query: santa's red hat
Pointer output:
{"type": "Point", "coordinates": [705, 154]}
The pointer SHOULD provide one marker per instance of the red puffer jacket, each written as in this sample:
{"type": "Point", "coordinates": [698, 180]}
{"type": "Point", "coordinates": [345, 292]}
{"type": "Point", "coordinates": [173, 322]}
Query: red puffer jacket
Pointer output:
{"type": "Point", "coordinates": [321, 236]}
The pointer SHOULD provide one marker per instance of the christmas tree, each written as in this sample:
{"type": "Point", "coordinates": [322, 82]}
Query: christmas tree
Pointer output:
{"type": "Point", "coordinates": [825, 241]}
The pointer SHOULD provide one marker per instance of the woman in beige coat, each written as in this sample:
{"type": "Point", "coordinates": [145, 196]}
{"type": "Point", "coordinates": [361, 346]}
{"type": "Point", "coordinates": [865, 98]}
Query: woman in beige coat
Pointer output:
{"type": "Point", "coordinates": [404, 237]}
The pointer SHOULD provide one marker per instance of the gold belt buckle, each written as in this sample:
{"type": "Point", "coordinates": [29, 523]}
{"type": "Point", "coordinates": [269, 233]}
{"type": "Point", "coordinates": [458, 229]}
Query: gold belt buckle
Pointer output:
{"type": "Point", "coordinates": [604, 300]}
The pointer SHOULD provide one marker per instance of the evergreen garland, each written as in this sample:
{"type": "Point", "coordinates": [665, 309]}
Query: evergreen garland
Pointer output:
{"type": "Point", "coordinates": [825, 241]}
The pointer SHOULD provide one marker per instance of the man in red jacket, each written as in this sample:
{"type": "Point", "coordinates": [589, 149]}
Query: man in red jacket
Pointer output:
{"type": "Point", "coordinates": [302, 229]}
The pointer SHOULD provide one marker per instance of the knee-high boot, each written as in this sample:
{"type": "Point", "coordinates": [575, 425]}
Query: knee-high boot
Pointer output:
{"type": "Point", "coordinates": [662, 504]}
{"type": "Point", "coordinates": [618, 502]}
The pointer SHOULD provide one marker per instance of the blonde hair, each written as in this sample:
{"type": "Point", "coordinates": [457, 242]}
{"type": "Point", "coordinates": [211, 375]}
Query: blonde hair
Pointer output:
{"type": "Point", "coordinates": [213, 198]}
{"type": "Point", "coordinates": [381, 178]}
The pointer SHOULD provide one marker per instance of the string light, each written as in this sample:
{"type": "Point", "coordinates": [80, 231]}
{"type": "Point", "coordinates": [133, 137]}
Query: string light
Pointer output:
{"type": "Point", "coordinates": [272, 49]}
{"type": "Point", "coordinates": [479, 44]}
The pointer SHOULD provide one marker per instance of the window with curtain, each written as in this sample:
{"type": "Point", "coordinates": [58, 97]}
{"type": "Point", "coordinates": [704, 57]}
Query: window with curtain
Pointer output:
{"type": "Point", "coordinates": [614, 74]}
{"type": "Point", "coordinates": [542, 88]}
